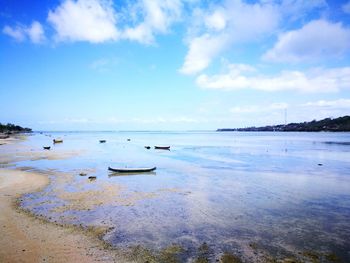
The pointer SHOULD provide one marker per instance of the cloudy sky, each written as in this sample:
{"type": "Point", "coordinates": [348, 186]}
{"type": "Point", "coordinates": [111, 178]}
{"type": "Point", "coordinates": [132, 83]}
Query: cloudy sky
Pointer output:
{"type": "Point", "coordinates": [172, 64]}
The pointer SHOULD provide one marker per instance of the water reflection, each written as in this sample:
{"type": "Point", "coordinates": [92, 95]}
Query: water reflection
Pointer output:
{"type": "Point", "coordinates": [248, 193]}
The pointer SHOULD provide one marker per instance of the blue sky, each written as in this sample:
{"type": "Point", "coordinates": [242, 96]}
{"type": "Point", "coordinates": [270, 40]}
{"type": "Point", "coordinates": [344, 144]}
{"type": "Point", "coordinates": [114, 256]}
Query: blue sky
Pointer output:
{"type": "Point", "coordinates": [172, 64]}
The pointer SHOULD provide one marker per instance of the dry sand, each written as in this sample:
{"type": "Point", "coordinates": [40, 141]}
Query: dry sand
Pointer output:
{"type": "Point", "coordinates": [27, 239]}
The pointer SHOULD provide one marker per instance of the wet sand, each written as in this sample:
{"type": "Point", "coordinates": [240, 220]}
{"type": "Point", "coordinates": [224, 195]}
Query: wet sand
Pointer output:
{"type": "Point", "coordinates": [25, 238]}
{"type": "Point", "coordinates": [28, 239]}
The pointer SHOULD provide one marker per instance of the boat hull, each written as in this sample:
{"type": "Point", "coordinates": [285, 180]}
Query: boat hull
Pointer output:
{"type": "Point", "coordinates": [132, 170]}
{"type": "Point", "coordinates": [162, 147]}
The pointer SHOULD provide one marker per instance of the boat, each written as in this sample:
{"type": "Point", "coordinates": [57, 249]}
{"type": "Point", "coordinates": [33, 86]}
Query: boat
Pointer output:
{"type": "Point", "coordinates": [132, 170]}
{"type": "Point", "coordinates": [57, 140]}
{"type": "Point", "coordinates": [47, 147]}
{"type": "Point", "coordinates": [148, 147]}
{"type": "Point", "coordinates": [102, 141]}
{"type": "Point", "coordinates": [162, 147]}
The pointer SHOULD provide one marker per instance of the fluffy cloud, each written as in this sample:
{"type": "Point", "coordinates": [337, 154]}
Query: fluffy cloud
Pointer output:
{"type": "Point", "coordinates": [84, 20]}
{"type": "Point", "coordinates": [244, 77]}
{"type": "Point", "coordinates": [34, 32]}
{"type": "Point", "coordinates": [97, 21]}
{"type": "Point", "coordinates": [346, 7]}
{"type": "Point", "coordinates": [156, 17]}
{"type": "Point", "coordinates": [316, 39]}
{"type": "Point", "coordinates": [201, 51]}
{"type": "Point", "coordinates": [17, 33]}
{"type": "Point", "coordinates": [227, 25]}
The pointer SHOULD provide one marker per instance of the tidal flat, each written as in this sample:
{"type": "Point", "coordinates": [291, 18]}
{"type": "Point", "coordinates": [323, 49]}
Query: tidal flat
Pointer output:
{"type": "Point", "coordinates": [229, 197]}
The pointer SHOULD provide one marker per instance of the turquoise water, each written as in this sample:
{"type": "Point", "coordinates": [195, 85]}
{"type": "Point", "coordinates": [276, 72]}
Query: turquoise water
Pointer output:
{"type": "Point", "coordinates": [285, 193]}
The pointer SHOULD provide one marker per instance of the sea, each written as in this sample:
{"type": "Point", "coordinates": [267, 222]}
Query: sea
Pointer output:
{"type": "Point", "coordinates": [256, 195]}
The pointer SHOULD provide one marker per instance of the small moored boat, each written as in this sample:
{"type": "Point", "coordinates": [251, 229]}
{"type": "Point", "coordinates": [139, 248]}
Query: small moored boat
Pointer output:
{"type": "Point", "coordinates": [162, 147]}
{"type": "Point", "coordinates": [102, 141]}
{"type": "Point", "coordinates": [132, 170]}
{"type": "Point", "coordinates": [148, 147]}
{"type": "Point", "coordinates": [57, 140]}
{"type": "Point", "coordinates": [47, 147]}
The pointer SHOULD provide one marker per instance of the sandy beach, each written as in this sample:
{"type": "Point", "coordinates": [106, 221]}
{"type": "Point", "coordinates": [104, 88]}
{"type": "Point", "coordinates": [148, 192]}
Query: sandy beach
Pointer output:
{"type": "Point", "coordinates": [25, 238]}
{"type": "Point", "coordinates": [28, 239]}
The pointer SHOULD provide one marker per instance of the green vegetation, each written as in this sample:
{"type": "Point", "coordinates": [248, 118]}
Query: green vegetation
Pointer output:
{"type": "Point", "coordinates": [335, 125]}
{"type": "Point", "coordinates": [11, 128]}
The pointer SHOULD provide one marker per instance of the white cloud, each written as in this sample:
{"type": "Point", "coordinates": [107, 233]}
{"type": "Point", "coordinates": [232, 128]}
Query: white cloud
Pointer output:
{"type": "Point", "coordinates": [236, 22]}
{"type": "Point", "coordinates": [84, 20]}
{"type": "Point", "coordinates": [34, 32]}
{"type": "Point", "coordinates": [216, 20]}
{"type": "Point", "coordinates": [346, 8]}
{"type": "Point", "coordinates": [18, 33]}
{"type": "Point", "coordinates": [314, 80]}
{"type": "Point", "coordinates": [201, 51]}
{"type": "Point", "coordinates": [227, 25]}
{"type": "Point", "coordinates": [156, 16]}
{"type": "Point", "coordinates": [334, 104]}
{"type": "Point", "coordinates": [259, 108]}
{"type": "Point", "coordinates": [96, 20]}
{"type": "Point", "coordinates": [316, 39]}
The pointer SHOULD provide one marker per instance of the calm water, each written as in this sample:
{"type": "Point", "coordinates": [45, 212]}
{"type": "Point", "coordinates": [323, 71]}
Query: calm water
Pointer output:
{"type": "Point", "coordinates": [285, 193]}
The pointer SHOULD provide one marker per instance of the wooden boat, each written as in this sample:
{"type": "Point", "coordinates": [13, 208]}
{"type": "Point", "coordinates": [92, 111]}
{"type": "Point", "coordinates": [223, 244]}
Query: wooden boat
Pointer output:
{"type": "Point", "coordinates": [47, 147]}
{"type": "Point", "coordinates": [102, 141]}
{"type": "Point", "coordinates": [162, 147]}
{"type": "Point", "coordinates": [132, 170]}
{"type": "Point", "coordinates": [148, 147]}
{"type": "Point", "coordinates": [57, 140]}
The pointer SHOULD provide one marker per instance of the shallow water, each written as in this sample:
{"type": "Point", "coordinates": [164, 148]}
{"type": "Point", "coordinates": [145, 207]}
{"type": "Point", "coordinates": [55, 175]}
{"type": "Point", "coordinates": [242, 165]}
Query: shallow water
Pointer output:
{"type": "Point", "coordinates": [251, 194]}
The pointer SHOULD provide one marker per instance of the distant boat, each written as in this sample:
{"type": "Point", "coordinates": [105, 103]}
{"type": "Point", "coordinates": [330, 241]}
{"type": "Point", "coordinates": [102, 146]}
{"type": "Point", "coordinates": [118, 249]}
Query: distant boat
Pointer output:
{"type": "Point", "coordinates": [102, 141]}
{"type": "Point", "coordinates": [57, 140]}
{"type": "Point", "coordinates": [132, 170]}
{"type": "Point", "coordinates": [47, 147]}
{"type": "Point", "coordinates": [148, 147]}
{"type": "Point", "coordinates": [162, 147]}
{"type": "Point", "coordinates": [128, 140]}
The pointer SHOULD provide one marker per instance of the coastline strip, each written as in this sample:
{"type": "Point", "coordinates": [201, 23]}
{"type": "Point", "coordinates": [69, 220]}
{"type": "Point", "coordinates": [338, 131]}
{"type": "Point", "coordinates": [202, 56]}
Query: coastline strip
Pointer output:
{"type": "Point", "coordinates": [27, 239]}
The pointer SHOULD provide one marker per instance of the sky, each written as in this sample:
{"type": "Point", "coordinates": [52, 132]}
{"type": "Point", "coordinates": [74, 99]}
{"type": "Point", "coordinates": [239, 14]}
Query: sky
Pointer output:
{"type": "Point", "coordinates": [172, 64]}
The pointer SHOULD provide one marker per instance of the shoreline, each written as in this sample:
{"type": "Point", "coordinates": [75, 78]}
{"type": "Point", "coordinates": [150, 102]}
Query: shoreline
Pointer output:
{"type": "Point", "coordinates": [27, 238]}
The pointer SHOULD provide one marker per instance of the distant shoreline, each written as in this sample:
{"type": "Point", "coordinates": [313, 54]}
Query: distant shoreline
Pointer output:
{"type": "Point", "coordinates": [341, 124]}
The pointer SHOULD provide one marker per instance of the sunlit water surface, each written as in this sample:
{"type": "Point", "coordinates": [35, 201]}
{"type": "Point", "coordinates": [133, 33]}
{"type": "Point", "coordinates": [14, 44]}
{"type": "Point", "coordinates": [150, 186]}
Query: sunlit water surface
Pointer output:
{"type": "Point", "coordinates": [282, 192]}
